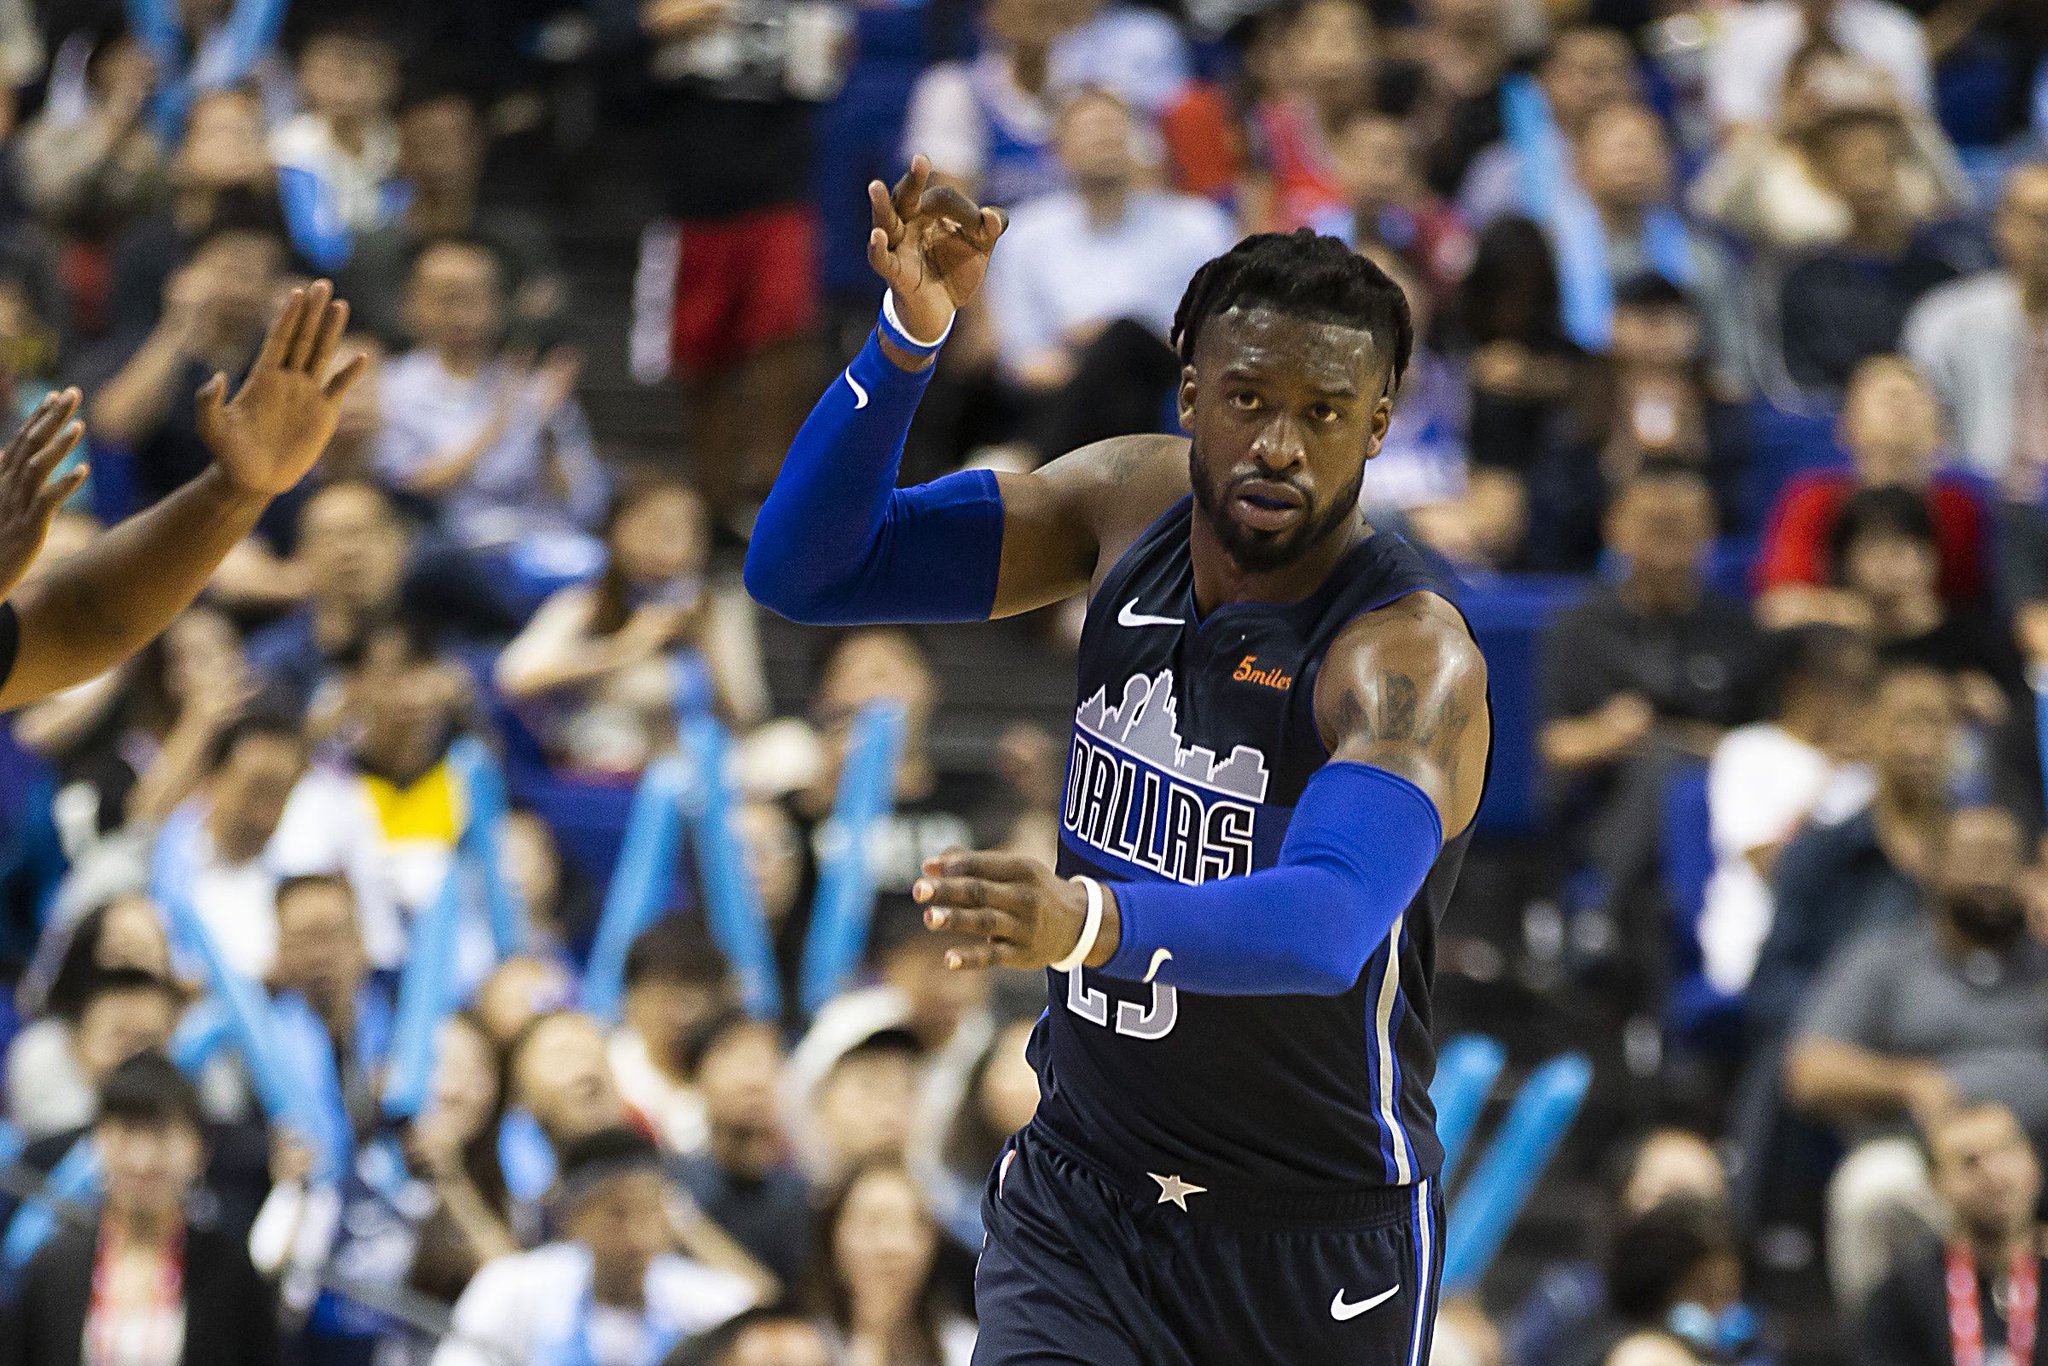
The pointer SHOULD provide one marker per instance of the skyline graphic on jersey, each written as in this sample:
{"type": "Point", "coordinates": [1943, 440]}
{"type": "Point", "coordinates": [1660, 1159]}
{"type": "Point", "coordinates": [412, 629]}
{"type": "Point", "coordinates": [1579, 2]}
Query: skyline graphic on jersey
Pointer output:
{"type": "Point", "coordinates": [1146, 724]}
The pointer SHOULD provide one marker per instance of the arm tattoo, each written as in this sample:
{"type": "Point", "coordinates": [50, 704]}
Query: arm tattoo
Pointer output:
{"type": "Point", "coordinates": [1393, 710]}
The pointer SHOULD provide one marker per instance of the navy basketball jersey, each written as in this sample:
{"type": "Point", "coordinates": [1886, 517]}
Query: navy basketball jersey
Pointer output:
{"type": "Point", "coordinates": [1192, 742]}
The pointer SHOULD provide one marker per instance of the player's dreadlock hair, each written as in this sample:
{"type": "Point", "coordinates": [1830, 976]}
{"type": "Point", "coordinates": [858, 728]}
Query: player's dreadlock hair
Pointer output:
{"type": "Point", "coordinates": [1305, 276]}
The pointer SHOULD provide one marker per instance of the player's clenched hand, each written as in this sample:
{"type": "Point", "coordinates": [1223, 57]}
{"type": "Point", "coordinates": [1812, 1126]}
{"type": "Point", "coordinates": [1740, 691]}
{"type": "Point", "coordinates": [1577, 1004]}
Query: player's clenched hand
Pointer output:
{"type": "Point", "coordinates": [1028, 915]}
{"type": "Point", "coordinates": [930, 244]}
{"type": "Point", "coordinates": [29, 498]}
{"type": "Point", "coordinates": [271, 432]}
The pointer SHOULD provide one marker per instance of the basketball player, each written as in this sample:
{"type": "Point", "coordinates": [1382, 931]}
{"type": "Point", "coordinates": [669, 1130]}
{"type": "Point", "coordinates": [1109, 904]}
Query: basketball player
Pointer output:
{"type": "Point", "coordinates": [91, 611]}
{"type": "Point", "coordinates": [1280, 742]}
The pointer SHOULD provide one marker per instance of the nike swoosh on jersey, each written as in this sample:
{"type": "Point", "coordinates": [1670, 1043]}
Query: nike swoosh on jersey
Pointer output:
{"type": "Point", "coordinates": [860, 395]}
{"type": "Point", "coordinates": [1343, 1312]}
{"type": "Point", "coordinates": [1129, 615]}
{"type": "Point", "coordinates": [1159, 960]}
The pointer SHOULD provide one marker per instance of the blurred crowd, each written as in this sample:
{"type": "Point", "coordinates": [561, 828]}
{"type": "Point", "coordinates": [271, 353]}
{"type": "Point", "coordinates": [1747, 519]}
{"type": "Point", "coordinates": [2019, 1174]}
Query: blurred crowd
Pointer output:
{"type": "Point", "coordinates": [1732, 324]}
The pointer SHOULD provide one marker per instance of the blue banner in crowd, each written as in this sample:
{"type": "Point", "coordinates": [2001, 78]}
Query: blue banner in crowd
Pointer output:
{"type": "Point", "coordinates": [74, 1180]}
{"type": "Point", "coordinates": [1466, 1070]}
{"type": "Point", "coordinates": [1500, 1185]}
{"type": "Point", "coordinates": [426, 994]}
{"type": "Point", "coordinates": [732, 899]}
{"type": "Point", "coordinates": [640, 885]}
{"type": "Point", "coordinates": [846, 877]}
{"type": "Point", "coordinates": [484, 794]}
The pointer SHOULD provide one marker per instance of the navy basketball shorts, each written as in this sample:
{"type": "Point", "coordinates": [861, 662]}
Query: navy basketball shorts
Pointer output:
{"type": "Point", "coordinates": [1083, 1269]}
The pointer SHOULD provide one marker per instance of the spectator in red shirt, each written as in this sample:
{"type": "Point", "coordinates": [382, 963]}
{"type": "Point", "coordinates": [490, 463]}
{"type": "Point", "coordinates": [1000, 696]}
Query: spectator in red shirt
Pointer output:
{"type": "Point", "coordinates": [1891, 428]}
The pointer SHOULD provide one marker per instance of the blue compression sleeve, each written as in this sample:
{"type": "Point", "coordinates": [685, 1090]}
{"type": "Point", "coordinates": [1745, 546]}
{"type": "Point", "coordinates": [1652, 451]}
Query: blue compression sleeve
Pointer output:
{"type": "Point", "coordinates": [838, 544]}
{"type": "Point", "coordinates": [1361, 842]}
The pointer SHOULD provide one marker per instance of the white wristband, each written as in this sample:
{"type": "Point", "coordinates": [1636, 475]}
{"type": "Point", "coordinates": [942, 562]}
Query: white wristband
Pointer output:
{"type": "Point", "coordinates": [1091, 927]}
{"type": "Point", "coordinates": [895, 331]}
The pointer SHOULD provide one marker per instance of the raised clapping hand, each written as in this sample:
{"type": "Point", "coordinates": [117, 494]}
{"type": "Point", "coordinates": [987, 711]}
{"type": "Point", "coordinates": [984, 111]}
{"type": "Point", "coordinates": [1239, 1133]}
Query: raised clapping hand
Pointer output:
{"type": "Point", "coordinates": [269, 434]}
{"type": "Point", "coordinates": [1030, 916]}
{"type": "Point", "coordinates": [29, 498]}
{"type": "Point", "coordinates": [930, 244]}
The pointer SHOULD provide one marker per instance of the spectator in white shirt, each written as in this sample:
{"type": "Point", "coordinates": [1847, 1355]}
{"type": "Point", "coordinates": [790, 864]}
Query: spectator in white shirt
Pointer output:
{"type": "Point", "coordinates": [337, 163]}
{"type": "Point", "coordinates": [217, 855]}
{"type": "Point", "coordinates": [1768, 780]}
{"type": "Point", "coordinates": [942, 1016]}
{"type": "Point", "coordinates": [1982, 342]}
{"type": "Point", "coordinates": [47, 1092]}
{"type": "Point", "coordinates": [1132, 49]}
{"type": "Point", "coordinates": [389, 806]}
{"type": "Point", "coordinates": [503, 449]}
{"type": "Point", "coordinates": [613, 1291]}
{"type": "Point", "coordinates": [765, 1336]}
{"type": "Point", "coordinates": [1082, 294]}
{"type": "Point", "coordinates": [1746, 68]}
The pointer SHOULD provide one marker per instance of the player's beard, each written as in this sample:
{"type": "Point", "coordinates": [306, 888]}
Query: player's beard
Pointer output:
{"type": "Point", "coordinates": [1259, 552]}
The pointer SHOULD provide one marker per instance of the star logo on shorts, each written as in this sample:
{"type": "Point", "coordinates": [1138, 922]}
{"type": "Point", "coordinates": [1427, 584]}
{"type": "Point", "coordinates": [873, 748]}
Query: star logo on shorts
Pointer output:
{"type": "Point", "coordinates": [1173, 1190]}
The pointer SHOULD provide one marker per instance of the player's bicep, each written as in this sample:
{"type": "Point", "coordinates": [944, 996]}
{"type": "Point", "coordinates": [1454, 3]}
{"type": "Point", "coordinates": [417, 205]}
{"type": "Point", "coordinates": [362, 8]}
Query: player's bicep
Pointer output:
{"type": "Point", "coordinates": [47, 653]}
{"type": "Point", "coordinates": [1060, 519]}
{"type": "Point", "coordinates": [1404, 689]}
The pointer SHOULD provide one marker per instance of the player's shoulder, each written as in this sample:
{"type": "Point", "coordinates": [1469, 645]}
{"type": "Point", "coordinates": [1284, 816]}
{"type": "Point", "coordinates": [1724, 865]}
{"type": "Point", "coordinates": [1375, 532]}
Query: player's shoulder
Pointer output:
{"type": "Point", "coordinates": [1418, 633]}
{"type": "Point", "coordinates": [1122, 484]}
{"type": "Point", "coordinates": [1120, 459]}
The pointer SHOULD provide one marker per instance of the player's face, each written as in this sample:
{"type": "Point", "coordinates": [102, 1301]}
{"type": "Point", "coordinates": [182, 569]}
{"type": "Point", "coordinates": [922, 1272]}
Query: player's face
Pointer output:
{"type": "Point", "coordinates": [1284, 413]}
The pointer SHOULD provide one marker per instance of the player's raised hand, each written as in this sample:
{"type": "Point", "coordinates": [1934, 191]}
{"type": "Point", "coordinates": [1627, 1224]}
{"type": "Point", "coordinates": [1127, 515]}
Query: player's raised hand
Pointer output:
{"type": "Point", "coordinates": [29, 498]}
{"type": "Point", "coordinates": [930, 244]}
{"type": "Point", "coordinates": [267, 436]}
{"type": "Point", "coordinates": [1029, 916]}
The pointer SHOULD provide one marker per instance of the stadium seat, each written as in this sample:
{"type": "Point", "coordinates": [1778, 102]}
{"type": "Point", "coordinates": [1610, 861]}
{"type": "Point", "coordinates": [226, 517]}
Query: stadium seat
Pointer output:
{"type": "Point", "coordinates": [1786, 444]}
{"type": "Point", "coordinates": [1509, 614]}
